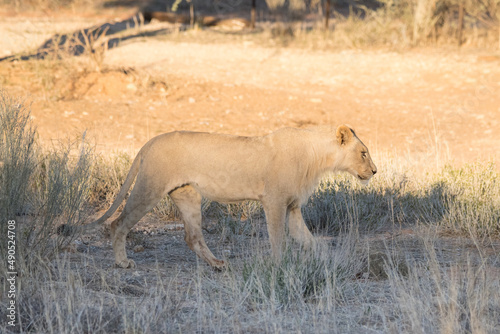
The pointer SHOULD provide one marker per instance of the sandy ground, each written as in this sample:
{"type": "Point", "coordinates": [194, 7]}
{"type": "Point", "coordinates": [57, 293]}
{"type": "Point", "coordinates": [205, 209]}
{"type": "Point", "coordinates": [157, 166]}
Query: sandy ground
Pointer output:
{"type": "Point", "coordinates": [419, 102]}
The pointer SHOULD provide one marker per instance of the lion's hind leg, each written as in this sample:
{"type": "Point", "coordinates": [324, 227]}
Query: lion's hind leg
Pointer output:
{"type": "Point", "coordinates": [144, 196]}
{"type": "Point", "coordinates": [188, 201]}
{"type": "Point", "coordinates": [118, 240]}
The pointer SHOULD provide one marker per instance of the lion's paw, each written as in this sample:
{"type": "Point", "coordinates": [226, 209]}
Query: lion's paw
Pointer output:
{"type": "Point", "coordinates": [125, 264]}
{"type": "Point", "coordinates": [218, 264]}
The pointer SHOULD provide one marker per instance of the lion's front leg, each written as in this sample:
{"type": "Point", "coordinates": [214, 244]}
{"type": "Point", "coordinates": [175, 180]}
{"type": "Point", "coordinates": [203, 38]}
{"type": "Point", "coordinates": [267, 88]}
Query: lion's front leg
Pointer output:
{"type": "Point", "coordinates": [298, 229]}
{"type": "Point", "coordinates": [275, 217]}
{"type": "Point", "coordinates": [188, 201]}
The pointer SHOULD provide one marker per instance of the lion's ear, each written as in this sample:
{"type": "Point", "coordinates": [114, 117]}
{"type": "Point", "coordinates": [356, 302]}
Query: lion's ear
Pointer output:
{"type": "Point", "coordinates": [344, 134]}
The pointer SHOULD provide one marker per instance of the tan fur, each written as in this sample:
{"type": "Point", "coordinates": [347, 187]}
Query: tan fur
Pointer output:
{"type": "Point", "coordinates": [281, 170]}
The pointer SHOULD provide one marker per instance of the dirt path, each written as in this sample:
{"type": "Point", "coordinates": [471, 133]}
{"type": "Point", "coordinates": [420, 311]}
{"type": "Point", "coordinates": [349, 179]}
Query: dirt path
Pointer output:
{"type": "Point", "coordinates": [423, 102]}
{"type": "Point", "coordinates": [401, 101]}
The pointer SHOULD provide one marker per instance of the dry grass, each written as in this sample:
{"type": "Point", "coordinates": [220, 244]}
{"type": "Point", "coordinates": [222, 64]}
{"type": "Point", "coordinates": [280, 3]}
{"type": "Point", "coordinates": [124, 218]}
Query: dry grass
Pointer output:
{"type": "Point", "coordinates": [422, 282]}
{"type": "Point", "coordinates": [46, 188]}
{"type": "Point", "coordinates": [329, 290]}
{"type": "Point", "coordinates": [399, 25]}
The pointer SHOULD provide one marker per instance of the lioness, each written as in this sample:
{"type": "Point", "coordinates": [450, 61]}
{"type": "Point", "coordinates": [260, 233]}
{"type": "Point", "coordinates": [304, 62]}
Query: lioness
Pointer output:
{"type": "Point", "coordinates": [280, 169]}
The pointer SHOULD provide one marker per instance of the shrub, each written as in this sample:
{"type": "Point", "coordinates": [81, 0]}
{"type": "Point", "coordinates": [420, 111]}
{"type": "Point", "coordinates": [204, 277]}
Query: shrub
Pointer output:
{"type": "Point", "coordinates": [472, 199]}
{"type": "Point", "coordinates": [38, 190]}
{"type": "Point", "coordinates": [61, 186]}
{"type": "Point", "coordinates": [302, 276]}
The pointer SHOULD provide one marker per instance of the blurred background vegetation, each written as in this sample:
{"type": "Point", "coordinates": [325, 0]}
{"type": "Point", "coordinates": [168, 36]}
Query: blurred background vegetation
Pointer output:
{"type": "Point", "coordinates": [410, 22]}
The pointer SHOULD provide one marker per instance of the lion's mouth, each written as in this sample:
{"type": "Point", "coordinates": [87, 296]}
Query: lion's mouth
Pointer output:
{"type": "Point", "coordinates": [363, 180]}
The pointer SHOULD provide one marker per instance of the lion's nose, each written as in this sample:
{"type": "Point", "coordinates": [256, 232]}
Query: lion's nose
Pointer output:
{"type": "Point", "coordinates": [374, 171]}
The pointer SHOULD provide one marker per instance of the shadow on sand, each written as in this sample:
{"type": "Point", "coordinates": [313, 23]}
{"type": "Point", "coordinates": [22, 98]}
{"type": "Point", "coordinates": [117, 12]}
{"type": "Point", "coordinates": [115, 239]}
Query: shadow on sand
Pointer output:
{"type": "Point", "coordinates": [91, 39]}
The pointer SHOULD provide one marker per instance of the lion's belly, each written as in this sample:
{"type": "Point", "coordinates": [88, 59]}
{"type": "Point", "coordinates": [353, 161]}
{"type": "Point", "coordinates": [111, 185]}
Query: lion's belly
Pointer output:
{"type": "Point", "coordinates": [227, 190]}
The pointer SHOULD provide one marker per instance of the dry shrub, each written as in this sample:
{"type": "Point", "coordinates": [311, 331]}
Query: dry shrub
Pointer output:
{"type": "Point", "coordinates": [319, 275]}
{"type": "Point", "coordinates": [38, 190]}
{"type": "Point", "coordinates": [433, 20]}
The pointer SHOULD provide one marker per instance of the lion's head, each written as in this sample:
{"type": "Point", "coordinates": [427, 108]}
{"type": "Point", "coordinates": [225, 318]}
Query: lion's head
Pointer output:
{"type": "Point", "coordinates": [357, 160]}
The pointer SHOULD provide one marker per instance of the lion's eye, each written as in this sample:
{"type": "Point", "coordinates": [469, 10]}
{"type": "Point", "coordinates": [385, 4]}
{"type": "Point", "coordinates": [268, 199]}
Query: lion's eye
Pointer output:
{"type": "Point", "coordinates": [363, 155]}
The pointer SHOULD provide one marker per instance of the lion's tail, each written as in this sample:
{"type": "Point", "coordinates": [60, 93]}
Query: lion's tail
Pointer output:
{"type": "Point", "coordinates": [70, 230]}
